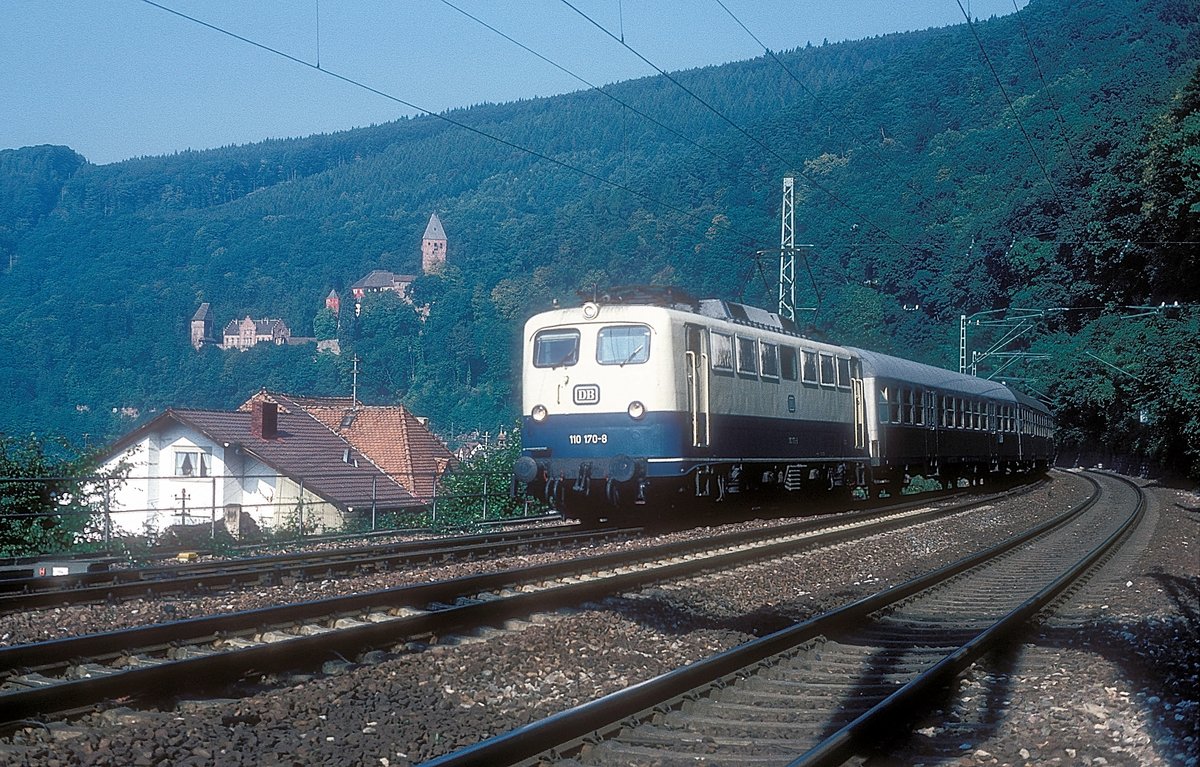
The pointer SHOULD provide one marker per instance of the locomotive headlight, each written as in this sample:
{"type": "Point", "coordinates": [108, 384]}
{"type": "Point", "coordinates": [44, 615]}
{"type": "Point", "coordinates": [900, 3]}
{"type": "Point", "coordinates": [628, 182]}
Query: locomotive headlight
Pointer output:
{"type": "Point", "coordinates": [591, 310]}
{"type": "Point", "coordinates": [636, 410]}
{"type": "Point", "coordinates": [538, 413]}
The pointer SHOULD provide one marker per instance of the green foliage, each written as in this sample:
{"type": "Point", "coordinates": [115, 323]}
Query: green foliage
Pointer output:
{"type": "Point", "coordinates": [45, 506]}
{"type": "Point", "coordinates": [480, 489]}
{"type": "Point", "coordinates": [325, 324]}
{"type": "Point", "coordinates": [915, 186]}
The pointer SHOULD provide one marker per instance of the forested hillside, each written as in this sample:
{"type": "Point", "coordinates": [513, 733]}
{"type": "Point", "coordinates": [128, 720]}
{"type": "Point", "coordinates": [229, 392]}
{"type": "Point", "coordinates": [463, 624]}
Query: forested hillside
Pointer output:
{"type": "Point", "coordinates": [1045, 160]}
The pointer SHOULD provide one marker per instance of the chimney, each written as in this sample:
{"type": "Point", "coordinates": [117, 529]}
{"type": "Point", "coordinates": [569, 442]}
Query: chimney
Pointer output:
{"type": "Point", "coordinates": [264, 420]}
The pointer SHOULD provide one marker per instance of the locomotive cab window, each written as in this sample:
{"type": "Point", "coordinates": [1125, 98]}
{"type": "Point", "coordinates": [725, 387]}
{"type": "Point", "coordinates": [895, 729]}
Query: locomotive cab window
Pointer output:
{"type": "Point", "coordinates": [623, 345]}
{"type": "Point", "coordinates": [555, 348]}
{"type": "Point", "coordinates": [722, 352]}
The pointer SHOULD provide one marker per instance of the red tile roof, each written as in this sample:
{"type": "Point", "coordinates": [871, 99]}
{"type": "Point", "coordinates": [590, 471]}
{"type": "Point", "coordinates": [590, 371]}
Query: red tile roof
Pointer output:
{"type": "Point", "coordinates": [389, 435]}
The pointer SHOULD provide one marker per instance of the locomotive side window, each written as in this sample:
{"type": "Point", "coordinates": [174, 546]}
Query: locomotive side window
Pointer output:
{"type": "Point", "coordinates": [722, 351]}
{"type": "Point", "coordinates": [843, 372]}
{"type": "Point", "coordinates": [828, 372]}
{"type": "Point", "coordinates": [623, 345]}
{"type": "Point", "coordinates": [810, 366]}
{"type": "Point", "coordinates": [768, 357]}
{"type": "Point", "coordinates": [555, 348]}
{"type": "Point", "coordinates": [747, 356]}
{"type": "Point", "coordinates": [788, 363]}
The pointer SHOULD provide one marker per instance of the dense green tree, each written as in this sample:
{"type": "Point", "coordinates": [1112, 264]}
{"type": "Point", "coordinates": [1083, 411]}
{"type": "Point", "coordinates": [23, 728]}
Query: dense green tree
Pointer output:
{"type": "Point", "coordinates": [916, 186]}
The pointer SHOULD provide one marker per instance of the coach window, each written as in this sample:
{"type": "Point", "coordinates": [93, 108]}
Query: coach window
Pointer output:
{"type": "Point", "coordinates": [920, 397]}
{"type": "Point", "coordinates": [722, 352]}
{"type": "Point", "coordinates": [883, 406]}
{"type": "Point", "coordinates": [906, 406]}
{"type": "Point", "coordinates": [747, 354]}
{"type": "Point", "coordinates": [768, 357]}
{"type": "Point", "coordinates": [828, 371]}
{"type": "Point", "coordinates": [623, 345]}
{"type": "Point", "coordinates": [555, 348]}
{"type": "Point", "coordinates": [810, 366]}
{"type": "Point", "coordinates": [788, 363]}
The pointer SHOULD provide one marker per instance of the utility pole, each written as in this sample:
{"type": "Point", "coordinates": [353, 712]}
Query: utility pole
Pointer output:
{"type": "Point", "coordinates": [183, 499]}
{"type": "Point", "coordinates": [354, 384]}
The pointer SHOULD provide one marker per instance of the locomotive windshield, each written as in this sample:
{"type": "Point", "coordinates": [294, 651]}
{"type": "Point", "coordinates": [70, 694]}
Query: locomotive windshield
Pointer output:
{"type": "Point", "coordinates": [555, 348]}
{"type": "Point", "coordinates": [623, 345]}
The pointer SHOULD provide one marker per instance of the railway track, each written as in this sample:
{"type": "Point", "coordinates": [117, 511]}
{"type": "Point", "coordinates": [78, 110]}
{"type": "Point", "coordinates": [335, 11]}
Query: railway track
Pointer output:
{"type": "Point", "coordinates": [271, 569]}
{"type": "Point", "coordinates": [839, 684]}
{"type": "Point", "coordinates": [62, 675]}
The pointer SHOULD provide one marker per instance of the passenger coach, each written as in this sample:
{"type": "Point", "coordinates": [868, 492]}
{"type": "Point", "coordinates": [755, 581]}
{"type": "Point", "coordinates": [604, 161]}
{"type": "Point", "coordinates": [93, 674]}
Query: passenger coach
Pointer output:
{"type": "Point", "coordinates": [650, 392]}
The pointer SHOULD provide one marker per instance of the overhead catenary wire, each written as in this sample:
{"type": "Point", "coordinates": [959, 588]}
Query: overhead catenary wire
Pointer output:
{"type": "Point", "coordinates": [910, 183]}
{"type": "Point", "coordinates": [451, 121]}
{"type": "Point", "coordinates": [599, 89]}
{"type": "Point", "coordinates": [725, 118]}
{"type": "Point", "coordinates": [1012, 107]}
{"type": "Point", "coordinates": [1062, 123]}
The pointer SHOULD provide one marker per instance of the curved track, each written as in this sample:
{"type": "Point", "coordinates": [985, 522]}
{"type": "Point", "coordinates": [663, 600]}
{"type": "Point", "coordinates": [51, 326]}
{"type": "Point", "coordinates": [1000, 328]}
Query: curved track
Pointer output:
{"type": "Point", "coordinates": [64, 674]}
{"type": "Point", "coordinates": [830, 687]}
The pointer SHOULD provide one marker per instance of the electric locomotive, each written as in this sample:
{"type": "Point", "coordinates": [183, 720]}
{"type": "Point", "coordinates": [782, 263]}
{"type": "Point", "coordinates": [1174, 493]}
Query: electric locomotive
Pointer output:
{"type": "Point", "coordinates": [649, 393]}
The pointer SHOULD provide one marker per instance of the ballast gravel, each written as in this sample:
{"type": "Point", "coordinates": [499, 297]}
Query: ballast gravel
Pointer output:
{"type": "Point", "coordinates": [1114, 682]}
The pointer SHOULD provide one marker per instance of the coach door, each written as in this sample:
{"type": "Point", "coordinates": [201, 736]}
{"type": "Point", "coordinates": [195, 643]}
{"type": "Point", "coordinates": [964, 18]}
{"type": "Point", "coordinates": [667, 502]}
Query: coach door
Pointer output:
{"type": "Point", "coordinates": [696, 366]}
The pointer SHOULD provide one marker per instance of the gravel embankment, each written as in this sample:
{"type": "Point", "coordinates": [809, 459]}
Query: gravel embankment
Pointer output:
{"type": "Point", "coordinates": [403, 708]}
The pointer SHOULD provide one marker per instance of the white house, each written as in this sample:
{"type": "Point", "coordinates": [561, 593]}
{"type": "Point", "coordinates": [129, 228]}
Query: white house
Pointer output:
{"type": "Point", "coordinates": [196, 466]}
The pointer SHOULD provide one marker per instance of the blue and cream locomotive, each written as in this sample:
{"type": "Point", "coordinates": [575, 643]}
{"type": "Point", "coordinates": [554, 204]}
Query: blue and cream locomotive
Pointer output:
{"type": "Point", "coordinates": [652, 393]}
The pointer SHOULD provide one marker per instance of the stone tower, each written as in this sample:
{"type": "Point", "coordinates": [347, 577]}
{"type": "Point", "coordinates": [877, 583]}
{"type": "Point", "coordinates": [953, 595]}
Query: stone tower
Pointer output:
{"type": "Point", "coordinates": [433, 246]}
{"type": "Point", "coordinates": [202, 326]}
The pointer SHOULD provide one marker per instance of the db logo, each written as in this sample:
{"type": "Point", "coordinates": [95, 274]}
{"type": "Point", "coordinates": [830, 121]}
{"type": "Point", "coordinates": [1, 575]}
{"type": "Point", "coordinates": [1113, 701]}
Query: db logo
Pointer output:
{"type": "Point", "coordinates": [587, 394]}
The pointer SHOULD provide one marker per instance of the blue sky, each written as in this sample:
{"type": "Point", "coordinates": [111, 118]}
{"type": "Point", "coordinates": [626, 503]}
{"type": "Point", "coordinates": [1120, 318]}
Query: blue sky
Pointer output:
{"type": "Point", "coordinates": [115, 79]}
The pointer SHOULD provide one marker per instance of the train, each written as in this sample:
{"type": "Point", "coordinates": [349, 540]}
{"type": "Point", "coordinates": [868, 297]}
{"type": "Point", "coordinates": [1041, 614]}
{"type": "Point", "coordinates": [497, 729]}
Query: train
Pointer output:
{"type": "Point", "coordinates": [645, 395]}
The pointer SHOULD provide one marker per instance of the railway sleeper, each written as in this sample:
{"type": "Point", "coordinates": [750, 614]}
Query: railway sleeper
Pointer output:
{"type": "Point", "coordinates": [90, 671]}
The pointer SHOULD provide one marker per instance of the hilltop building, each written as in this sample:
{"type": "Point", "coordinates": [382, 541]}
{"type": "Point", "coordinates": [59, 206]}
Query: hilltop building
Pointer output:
{"type": "Point", "coordinates": [433, 246]}
{"type": "Point", "coordinates": [242, 334]}
{"type": "Point", "coordinates": [433, 261]}
{"type": "Point", "coordinates": [202, 327]}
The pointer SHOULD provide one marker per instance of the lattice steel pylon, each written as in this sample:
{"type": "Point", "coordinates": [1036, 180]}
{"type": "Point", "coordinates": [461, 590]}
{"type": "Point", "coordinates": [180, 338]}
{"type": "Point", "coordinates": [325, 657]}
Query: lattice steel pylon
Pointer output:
{"type": "Point", "coordinates": [787, 251]}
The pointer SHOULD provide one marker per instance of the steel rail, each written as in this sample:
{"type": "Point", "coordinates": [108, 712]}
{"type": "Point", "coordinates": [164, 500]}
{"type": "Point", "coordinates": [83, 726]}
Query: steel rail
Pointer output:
{"type": "Point", "coordinates": [898, 706]}
{"type": "Point", "coordinates": [111, 585]}
{"type": "Point", "coordinates": [437, 608]}
{"type": "Point", "coordinates": [569, 729]}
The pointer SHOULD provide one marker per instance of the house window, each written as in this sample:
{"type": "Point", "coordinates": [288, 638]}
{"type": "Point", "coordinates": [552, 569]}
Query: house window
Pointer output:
{"type": "Point", "coordinates": [192, 463]}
